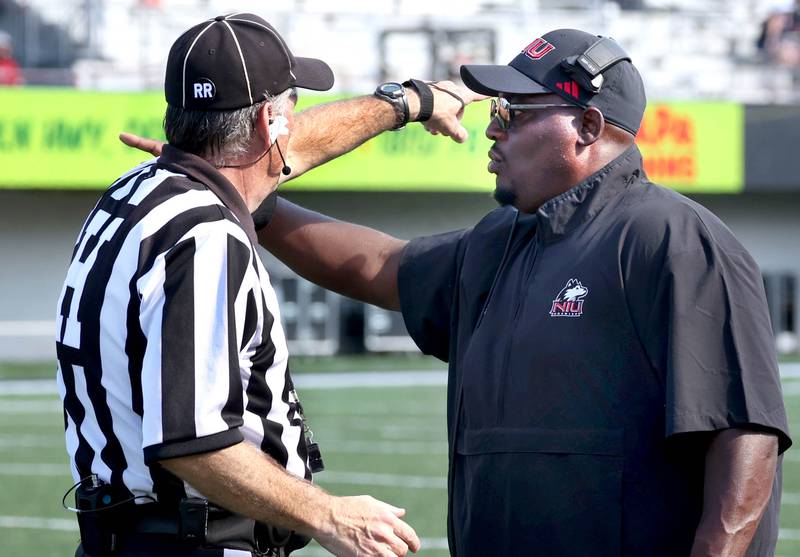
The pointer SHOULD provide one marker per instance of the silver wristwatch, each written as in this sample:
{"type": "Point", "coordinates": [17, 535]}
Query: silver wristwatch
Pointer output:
{"type": "Point", "coordinates": [395, 94]}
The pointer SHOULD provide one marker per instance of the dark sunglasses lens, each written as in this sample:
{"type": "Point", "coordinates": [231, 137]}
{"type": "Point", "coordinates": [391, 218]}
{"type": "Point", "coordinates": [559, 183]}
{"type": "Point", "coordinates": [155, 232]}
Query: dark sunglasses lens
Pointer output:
{"type": "Point", "coordinates": [498, 112]}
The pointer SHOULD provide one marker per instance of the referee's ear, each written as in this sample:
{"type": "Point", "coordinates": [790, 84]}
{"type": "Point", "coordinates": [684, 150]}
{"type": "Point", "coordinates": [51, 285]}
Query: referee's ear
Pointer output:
{"type": "Point", "coordinates": [262, 123]}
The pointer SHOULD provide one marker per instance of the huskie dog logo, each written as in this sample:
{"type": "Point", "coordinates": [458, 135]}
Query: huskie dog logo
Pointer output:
{"type": "Point", "coordinates": [569, 302]}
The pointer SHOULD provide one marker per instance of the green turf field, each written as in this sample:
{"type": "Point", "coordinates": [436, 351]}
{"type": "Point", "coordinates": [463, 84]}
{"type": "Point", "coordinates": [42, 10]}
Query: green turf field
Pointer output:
{"type": "Point", "coordinates": [385, 441]}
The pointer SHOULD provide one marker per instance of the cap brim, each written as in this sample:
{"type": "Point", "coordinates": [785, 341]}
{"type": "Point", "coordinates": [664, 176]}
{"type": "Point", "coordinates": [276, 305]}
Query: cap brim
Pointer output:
{"type": "Point", "coordinates": [313, 74]}
{"type": "Point", "coordinates": [492, 80]}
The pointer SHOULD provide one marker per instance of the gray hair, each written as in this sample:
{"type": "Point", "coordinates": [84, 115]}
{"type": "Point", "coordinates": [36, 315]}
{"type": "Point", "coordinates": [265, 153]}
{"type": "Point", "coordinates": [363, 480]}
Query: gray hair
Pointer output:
{"type": "Point", "coordinates": [219, 136]}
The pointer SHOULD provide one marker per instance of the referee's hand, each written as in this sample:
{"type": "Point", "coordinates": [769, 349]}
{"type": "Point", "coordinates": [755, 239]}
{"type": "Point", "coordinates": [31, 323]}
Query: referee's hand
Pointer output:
{"type": "Point", "coordinates": [143, 144]}
{"type": "Point", "coordinates": [363, 526]}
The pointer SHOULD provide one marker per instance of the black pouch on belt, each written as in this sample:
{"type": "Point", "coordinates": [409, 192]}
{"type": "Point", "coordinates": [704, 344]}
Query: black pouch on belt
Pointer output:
{"type": "Point", "coordinates": [101, 508]}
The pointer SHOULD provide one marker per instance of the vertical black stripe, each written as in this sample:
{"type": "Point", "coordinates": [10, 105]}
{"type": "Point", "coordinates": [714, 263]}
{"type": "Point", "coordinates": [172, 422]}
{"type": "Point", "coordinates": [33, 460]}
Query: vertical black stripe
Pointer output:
{"type": "Point", "coordinates": [84, 454]}
{"type": "Point", "coordinates": [66, 304]}
{"type": "Point", "coordinates": [135, 346]}
{"type": "Point", "coordinates": [238, 261]}
{"type": "Point", "coordinates": [250, 320]}
{"type": "Point", "coordinates": [271, 444]}
{"type": "Point", "coordinates": [177, 344]}
{"type": "Point", "coordinates": [94, 290]}
{"type": "Point", "coordinates": [291, 415]}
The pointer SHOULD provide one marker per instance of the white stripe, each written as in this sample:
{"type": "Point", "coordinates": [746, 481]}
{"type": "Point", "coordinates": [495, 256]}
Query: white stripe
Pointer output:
{"type": "Point", "coordinates": [211, 361]}
{"type": "Point", "coordinates": [39, 523]}
{"type": "Point", "coordinates": [390, 480]}
{"type": "Point", "coordinates": [788, 534]}
{"type": "Point", "coordinates": [186, 59]}
{"type": "Point", "coordinates": [241, 57]}
{"type": "Point", "coordinates": [90, 427]}
{"type": "Point", "coordinates": [131, 177]}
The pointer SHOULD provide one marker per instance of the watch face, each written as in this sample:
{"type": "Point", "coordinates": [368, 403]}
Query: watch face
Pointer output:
{"type": "Point", "coordinates": [391, 89]}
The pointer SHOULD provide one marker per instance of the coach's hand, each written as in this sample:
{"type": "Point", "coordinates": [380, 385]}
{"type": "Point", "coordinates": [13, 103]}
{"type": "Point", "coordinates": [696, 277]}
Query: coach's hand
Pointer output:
{"type": "Point", "coordinates": [449, 101]}
{"type": "Point", "coordinates": [143, 144]}
{"type": "Point", "coordinates": [364, 527]}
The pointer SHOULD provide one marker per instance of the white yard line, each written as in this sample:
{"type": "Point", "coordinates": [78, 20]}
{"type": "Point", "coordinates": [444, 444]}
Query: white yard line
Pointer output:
{"type": "Point", "coordinates": [347, 380]}
{"type": "Point", "coordinates": [390, 480]}
{"type": "Point", "coordinates": [34, 469]}
{"type": "Point", "coordinates": [305, 381]}
{"type": "Point", "coordinates": [30, 407]}
{"type": "Point", "coordinates": [381, 447]}
{"type": "Point", "coordinates": [39, 523]}
{"type": "Point", "coordinates": [790, 370]}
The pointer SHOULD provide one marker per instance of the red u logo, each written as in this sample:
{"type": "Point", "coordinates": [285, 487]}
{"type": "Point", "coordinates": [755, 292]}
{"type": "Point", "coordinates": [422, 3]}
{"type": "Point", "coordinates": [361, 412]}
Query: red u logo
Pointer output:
{"type": "Point", "coordinates": [537, 49]}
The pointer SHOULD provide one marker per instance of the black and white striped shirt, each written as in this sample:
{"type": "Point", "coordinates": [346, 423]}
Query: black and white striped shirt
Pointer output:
{"type": "Point", "coordinates": [169, 339]}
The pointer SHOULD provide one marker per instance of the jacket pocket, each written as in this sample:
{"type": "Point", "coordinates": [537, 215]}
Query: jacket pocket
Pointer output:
{"type": "Point", "coordinates": [532, 491]}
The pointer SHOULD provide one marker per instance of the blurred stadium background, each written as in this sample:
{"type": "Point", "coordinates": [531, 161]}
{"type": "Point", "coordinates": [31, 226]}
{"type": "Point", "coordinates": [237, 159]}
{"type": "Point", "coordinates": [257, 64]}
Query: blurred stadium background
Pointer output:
{"type": "Point", "coordinates": [723, 127]}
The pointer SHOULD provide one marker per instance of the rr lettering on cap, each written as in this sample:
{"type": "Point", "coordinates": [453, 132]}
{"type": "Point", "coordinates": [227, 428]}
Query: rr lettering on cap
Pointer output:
{"type": "Point", "coordinates": [538, 49]}
{"type": "Point", "coordinates": [204, 89]}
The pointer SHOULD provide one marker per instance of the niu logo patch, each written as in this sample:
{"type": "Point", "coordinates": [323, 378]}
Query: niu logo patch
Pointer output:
{"type": "Point", "coordinates": [204, 89]}
{"type": "Point", "coordinates": [569, 302]}
{"type": "Point", "coordinates": [537, 49]}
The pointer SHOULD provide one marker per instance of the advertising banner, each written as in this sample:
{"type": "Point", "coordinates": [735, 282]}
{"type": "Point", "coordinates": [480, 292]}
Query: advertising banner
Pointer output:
{"type": "Point", "coordinates": [62, 138]}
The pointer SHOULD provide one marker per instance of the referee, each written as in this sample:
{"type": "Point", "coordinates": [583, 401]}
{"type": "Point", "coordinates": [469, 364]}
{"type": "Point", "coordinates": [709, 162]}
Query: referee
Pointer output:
{"type": "Point", "coordinates": [182, 425]}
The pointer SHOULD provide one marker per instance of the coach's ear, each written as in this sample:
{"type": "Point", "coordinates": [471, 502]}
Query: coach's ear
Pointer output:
{"type": "Point", "coordinates": [142, 143]}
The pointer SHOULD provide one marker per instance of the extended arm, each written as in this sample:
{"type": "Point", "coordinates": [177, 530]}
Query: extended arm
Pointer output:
{"type": "Point", "coordinates": [353, 260]}
{"type": "Point", "coordinates": [323, 132]}
{"type": "Point", "coordinates": [740, 469]}
{"type": "Point", "coordinates": [244, 480]}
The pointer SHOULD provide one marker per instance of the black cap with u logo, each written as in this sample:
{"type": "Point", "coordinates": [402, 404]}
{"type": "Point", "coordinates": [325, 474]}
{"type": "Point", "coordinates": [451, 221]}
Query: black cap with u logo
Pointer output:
{"type": "Point", "coordinates": [584, 69]}
{"type": "Point", "coordinates": [234, 61]}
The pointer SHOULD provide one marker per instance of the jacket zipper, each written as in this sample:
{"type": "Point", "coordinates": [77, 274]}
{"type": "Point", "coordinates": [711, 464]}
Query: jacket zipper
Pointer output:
{"type": "Point", "coordinates": [520, 300]}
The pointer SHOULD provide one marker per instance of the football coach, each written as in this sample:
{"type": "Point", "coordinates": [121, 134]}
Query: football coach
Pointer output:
{"type": "Point", "coordinates": [183, 428]}
{"type": "Point", "coordinates": [613, 385]}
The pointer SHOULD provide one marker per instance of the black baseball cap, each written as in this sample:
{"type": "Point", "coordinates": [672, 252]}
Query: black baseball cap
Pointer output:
{"type": "Point", "coordinates": [584, 69]}
{"type": "Point", "coordinates": [233, 61]}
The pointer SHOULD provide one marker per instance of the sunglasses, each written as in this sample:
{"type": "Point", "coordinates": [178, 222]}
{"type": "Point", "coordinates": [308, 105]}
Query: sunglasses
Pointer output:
{"type": "Point", "coordinates": [503, 111]}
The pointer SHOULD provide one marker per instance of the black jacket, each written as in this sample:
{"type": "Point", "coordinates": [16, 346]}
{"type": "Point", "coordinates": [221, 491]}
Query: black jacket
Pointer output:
{"type": "Point", "coordinates": [590, 347]}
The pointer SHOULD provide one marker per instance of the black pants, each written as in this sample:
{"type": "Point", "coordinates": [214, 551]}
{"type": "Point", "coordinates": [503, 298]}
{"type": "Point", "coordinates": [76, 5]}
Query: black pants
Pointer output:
{"type": "Point", "coordinates": [159, 545]}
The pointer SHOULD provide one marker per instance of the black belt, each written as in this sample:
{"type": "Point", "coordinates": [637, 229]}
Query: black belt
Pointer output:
{"type": "Point", "coordinates": [205, 524]}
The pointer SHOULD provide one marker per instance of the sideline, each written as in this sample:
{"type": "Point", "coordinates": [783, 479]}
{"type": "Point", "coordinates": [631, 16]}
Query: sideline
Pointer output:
{"type": "Point", "coordinates": [305, 381]}
{"type": "Point", "coordinates": [347, 380]}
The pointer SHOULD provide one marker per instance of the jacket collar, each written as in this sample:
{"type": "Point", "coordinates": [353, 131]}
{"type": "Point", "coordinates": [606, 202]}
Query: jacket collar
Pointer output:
{"type": "Point", "coordinates": [563, 213]}
{"type": "Point", "coordinates": [202, 171]}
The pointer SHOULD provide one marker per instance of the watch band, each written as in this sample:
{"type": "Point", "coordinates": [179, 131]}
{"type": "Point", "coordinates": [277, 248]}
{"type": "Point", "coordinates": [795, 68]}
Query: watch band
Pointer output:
{"type": "Point", "coordinates": [425, 98]}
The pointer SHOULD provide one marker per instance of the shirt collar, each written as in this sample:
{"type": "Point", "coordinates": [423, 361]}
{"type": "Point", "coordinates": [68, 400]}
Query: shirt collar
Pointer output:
{"type": "Point", "coordinates": [565, 212]}
{"type": "Point", "coordinates": [202, 171]}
